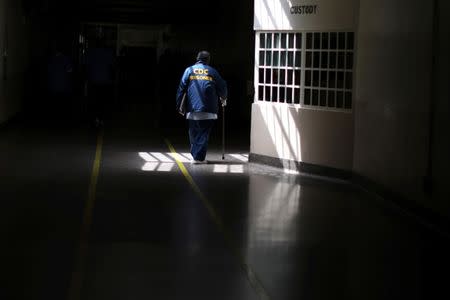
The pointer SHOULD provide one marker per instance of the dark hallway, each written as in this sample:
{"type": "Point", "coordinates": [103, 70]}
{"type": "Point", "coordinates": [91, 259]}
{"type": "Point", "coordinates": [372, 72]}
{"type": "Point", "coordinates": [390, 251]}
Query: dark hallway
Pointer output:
{"type": "Point", "coordinates": [236, 231]}
{"type": "Point", "coordinates": [113, 208]}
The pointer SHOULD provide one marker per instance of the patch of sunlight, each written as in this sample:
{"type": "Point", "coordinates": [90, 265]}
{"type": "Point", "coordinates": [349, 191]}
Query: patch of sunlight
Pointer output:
{"type": "Point", "coordinates": [234, 169]}
{"type": "Point", "coordinates": [150, 166]}
{"type": "Point", "coordinates": [283, 140]}
{"type": "Point", "coordinates": [240, 157]}
{"type": "Point", "coordinates": [220, 169]}
{"type": "Point", "coordinates": [157, 161]}
{"type": "Point", "coordinates": [166, 162]}
{"type": "Point", "coordinates": [237, 169]}
{"type": "Point", "coordinates": [147, 157]}
{"type": "Point", "coordinates": [188, 156]}
{"type": "Point", "coordinates": [273, 14]}
{"type": "Point", "coordinates": [178, 156]}
{"type": "Point", "coordinates": [166, 167]}
{"type": "Point", "coordinates": [161, 157]}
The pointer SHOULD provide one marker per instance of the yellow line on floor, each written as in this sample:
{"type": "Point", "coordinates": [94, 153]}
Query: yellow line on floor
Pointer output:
{"type": "Point", "coordinates": [251, 276]}
{"type": "Point", "coordinates": [76, 281]}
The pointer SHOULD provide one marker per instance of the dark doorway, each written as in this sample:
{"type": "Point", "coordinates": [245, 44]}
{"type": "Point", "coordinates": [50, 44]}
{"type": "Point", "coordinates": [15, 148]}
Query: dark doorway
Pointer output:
{"type": "Point", "coordinates": [137, 75]}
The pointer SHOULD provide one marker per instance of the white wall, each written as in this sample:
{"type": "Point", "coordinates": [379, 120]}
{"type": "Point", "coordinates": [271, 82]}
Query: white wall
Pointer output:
{"type": "Point", "coordinates": [13, 40]}
{"type": "Point", "coordinates": [316, 137]}
{"type": "Point", "coordinates": [320, 15]}
{"type": "Point", "coordinates": [392, 94]}
{"type": "Point", "coordinates": [397, 86]}
{"type": "Point", "coordinates": [291, 132]}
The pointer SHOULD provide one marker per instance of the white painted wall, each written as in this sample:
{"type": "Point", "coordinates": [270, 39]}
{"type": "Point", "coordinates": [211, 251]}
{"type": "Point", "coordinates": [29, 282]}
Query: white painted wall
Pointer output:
{"type": "Point", "coordinates": [13, 42]}
{"type": "Point", "coordinates": [329, 15]}
{"type": "Point", "coordinates": [288, 131]}
{"type": "Point", "coordinates": [392, 94]}
{"type": "Point", "coordinates": [387, 138]}
{"type": "Point", "coordinates": [317, 137]}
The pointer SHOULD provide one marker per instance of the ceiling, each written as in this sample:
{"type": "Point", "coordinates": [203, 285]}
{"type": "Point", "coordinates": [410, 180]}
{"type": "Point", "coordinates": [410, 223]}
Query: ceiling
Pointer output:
{"type": "Point", "coordinates": [130, 11]}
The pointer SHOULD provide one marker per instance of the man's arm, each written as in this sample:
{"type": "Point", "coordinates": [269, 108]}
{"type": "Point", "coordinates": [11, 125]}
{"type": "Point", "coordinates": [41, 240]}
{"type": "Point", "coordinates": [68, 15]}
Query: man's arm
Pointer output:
{"type": "Point", "coordinates": [182, 87]}
{"type": "Point", "coordinates": [221, 87]}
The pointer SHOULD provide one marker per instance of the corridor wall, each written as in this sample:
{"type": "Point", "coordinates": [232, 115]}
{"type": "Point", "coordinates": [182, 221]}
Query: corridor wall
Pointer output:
{"type": "Point", "coordinates": [13, 57]}
{"type": "Point", "coordinates": [440, 158]}
{"type": "Point", "coordinates": [389, 128]}
{"type": "Point", "coordinates": [394, 96]}
{"type": "Point", "coordinates": [304, 79]}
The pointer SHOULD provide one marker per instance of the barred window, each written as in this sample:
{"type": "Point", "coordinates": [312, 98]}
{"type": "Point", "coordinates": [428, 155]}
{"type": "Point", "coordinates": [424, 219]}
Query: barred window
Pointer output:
{"type": "Point", "coordinates": [312, 69]}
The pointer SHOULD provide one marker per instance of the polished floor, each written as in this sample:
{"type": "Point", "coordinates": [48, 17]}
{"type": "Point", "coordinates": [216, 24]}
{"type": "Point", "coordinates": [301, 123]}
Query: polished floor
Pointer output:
{"type": "Point", "coordinates": [148, 225]}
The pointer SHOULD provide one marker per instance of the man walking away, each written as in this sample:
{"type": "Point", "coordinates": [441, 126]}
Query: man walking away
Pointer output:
{"type": "Point", "coordinates": [204, 87]}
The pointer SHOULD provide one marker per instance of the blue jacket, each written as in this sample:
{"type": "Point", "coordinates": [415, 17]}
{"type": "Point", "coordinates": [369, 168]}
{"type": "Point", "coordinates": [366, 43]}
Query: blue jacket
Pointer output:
{"type": "Point", "coordinates": [203, 86]}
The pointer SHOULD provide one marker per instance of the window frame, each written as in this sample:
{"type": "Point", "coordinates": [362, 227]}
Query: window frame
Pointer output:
{"type": "Point", "coordinates": [299, 88]}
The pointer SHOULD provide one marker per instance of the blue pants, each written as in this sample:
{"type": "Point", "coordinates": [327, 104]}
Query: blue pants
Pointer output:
{"type": "Point", "coordinates": [198, 136]}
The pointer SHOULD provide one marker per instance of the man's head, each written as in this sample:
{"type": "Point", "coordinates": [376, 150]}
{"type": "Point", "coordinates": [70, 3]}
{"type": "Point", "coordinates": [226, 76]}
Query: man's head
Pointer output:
{"type": "Point", "coordinates": [204, 57]}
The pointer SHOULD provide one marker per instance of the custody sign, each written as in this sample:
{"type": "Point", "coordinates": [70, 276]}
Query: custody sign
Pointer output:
{"type": "Point", "coordinates": [306, 15]}
{"type": "Point", "coordinates": [303, 9]}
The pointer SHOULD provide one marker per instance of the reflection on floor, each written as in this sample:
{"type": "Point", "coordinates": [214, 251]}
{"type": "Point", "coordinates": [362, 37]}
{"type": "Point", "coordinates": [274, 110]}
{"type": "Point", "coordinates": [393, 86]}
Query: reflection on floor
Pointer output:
{"type": "Point", "coordinates": [293, 236]}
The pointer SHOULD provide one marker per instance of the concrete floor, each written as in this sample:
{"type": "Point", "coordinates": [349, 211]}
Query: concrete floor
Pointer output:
{"type": "Point", "coordinates": [235, 231]}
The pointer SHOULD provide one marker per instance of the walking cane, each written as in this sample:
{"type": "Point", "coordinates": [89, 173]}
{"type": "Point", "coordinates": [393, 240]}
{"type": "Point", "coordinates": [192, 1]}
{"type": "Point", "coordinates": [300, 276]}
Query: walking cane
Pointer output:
{"type": "Point", "coordinates": [223, 132]}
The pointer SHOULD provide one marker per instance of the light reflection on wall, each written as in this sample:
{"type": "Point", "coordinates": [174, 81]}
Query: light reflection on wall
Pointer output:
{"type": "Point", "coordinates": [272, 14]}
